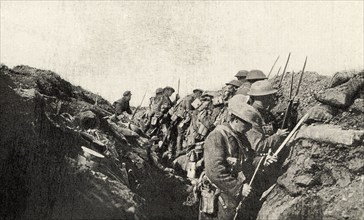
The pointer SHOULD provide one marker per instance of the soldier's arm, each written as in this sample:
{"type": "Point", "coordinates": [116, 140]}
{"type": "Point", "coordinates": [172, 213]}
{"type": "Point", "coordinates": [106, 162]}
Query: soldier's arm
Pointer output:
{"type": "Point", "coordinates": [129, 111]}
{"type": "Point", "coordinates": [188, 103]}
{"type": "Point", "coordinates": [118, 108]}
{"type": "Point", "coordinates": [217, 168]}
{"type": "Point", "coordinates": [260, 143]}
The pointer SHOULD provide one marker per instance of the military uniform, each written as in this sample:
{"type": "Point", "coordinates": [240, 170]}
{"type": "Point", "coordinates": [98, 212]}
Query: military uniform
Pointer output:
{"type": "Point", "coordinates": [122, 105]}
{"type": "Point", "coordinates": [221, 145]}
{"type": "Point", "coordinates": [262, 136]}
{"type": "Point", "coordinates": [184, 111]}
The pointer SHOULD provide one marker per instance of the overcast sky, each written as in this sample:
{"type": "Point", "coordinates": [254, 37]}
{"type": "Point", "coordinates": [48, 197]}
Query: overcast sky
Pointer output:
{"type": "Point", "coordinates": [110, 47]}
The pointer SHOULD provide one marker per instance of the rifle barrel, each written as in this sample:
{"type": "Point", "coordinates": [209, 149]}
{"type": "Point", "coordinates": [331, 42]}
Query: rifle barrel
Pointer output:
{"type": "Point", "coordinates": [279, 70]}
{"type": "Point", "coordinates": [299, 82]}
{"type": "Point", "coordinates": [291, 89]}
{"type": "Point", "coordinates": [272, 67]}
{"type": "Point", "coordinates": [291, 134]}
{"type": "Point", "coordinates": [138, 106]}
{"type": "Point", "coordinates": [284, 70]}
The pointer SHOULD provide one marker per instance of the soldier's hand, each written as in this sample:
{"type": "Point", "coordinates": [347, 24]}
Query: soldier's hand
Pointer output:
{"type": "Point", "coordinates": [245, 191]}
{"type": "Point", "coordinates": [282, 132]}
{"type": "Point", "coordinates": [177, 96]}
{"type": "Point", "coordinates": [270, 159]}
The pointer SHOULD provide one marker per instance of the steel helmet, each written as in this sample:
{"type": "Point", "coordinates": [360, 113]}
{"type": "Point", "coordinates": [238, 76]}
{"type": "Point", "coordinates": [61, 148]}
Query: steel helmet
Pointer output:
{"type": "Point", "coordinates": [158, 91]}
{"type": "Point", "coordinates": [234, 82]}
{"type": "Point", "coordinates": [261, 88]}
{"type": "Point", "coordinates": [237, 106]}
{"type": "Point", "coordinates": [169, 88]}
{"type": "Point", "coordinates": [242, 73]}
{"type": "Point", "coordinates": [256, 75]}
{"type": "Point", "coordinates": [126, 93]}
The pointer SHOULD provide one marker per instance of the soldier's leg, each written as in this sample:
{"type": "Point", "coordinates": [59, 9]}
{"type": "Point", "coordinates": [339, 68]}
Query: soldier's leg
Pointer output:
{"type": "Point", "coordinates": [180, 137]}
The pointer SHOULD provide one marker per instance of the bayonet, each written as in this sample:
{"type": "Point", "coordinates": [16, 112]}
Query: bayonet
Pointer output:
{"type": "Point", "coordinates": [272, 67]}
{"type": "Point", "coordinates": [284, 70]}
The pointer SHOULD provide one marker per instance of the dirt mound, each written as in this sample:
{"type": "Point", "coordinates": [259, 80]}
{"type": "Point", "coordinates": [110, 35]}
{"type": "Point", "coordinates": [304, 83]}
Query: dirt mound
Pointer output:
{"type": "Point", "coordinates": [323, 177]}
{"type": "Point", "coordinates": [48, 129]}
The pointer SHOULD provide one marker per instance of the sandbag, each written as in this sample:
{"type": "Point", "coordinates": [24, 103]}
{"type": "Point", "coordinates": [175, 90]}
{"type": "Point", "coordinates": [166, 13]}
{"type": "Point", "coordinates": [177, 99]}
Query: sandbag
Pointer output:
{"type": "Point", "coordinates": [330, 134]}
{"type": "Point", "coordinates": [358, 105]}
{"type": "Point", "coordinates": [343, 95]}
{"type": "Point", "coordinates": [321, 113]}
{"type": "Point", "coordinates": [340, 78]}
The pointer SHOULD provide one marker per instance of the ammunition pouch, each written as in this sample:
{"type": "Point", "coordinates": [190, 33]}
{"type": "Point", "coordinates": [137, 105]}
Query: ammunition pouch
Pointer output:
{"type": "Point", "coordinates": [154, 121]}
{"type": "Point", "coordinates": [208, 203]}
{"type": "Point", "coordinates": [210, 196]}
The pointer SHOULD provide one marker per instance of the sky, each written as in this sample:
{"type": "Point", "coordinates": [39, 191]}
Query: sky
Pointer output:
{"type": "Point", "coordinates": [111, 46]}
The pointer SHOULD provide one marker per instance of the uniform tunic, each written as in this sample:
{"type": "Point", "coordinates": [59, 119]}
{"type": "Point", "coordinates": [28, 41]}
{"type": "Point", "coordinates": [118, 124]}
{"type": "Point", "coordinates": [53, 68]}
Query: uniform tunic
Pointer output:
{"type": "Point", "coordinates": [122, 105]}
{"type": "Point", "coordinates": [262, 136]}
{"type": "Point", "coordinates": [229, 179]}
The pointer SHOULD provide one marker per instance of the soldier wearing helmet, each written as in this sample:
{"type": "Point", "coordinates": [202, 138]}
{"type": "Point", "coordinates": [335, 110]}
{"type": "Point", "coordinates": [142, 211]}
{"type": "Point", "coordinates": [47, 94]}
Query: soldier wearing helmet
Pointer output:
{"type": "Point", "coordinates": [122, 105]}
{"type": "Point", "coordinates": [252, 77]}
{"type": "Point", "coordinates": [265, 135]}
{"type": "Point", "coordinates": [229, 162]}
{"type": "Point", "coordinates": [184, 111]}
{"type": "Point", "coordinates": [241, 75]}
{"type": "Point", "coordinates": [220, 111]}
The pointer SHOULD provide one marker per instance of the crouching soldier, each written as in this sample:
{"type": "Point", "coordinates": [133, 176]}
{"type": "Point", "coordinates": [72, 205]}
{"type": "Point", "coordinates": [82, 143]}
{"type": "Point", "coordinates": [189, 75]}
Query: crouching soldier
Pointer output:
{"type": "Point", "coordinates": [122, 105]}
{"type": "Point", "coordinates": [228, 164]}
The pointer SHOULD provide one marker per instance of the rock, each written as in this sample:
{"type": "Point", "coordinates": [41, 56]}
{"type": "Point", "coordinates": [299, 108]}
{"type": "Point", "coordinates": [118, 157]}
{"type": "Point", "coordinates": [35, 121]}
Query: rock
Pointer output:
{"type": "Point", "coordinates": [321, 113]}
{"type": "Point", "coordinates": [304, 180]}
{"type": "Point", "coordinates": [342, 176]}
{"type": "Point", "coordinates": [88, 120]}
{"type": "Point", "coordinates": [340, 78]}
{"type": "Point", "coordinates": [347, 203]}
{"type": "Point", "coordinates": [356, 165]}
{"type": "Point", "coordinates": [358, 105]}
{"type": "Point", "coordinates": [343, 95]}
{"type": "Point", "coordinates": [331, 134]}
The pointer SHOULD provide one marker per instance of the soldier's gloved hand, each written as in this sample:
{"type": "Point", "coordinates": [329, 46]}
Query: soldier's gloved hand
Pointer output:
{"type": "Point", "coordinates": [271, 158]}
{"type": "Point", "coordinates": [177, 96]}
{"type": "Point", "coordinates": [282, 132]}
{"type": "Point", "coordinates": [245, 191]}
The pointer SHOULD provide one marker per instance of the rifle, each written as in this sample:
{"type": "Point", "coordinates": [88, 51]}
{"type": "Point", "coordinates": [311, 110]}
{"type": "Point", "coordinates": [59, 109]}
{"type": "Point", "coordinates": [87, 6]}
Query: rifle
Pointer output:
{"type": "Point", "coordinates": [177, 95]}
{"type": "Point", "coordinates": [278, 71]}
{"type": "Point", "coordinates": [284, 70]}
{"type": "Point", "coordinates": [138, 106]}
{"type": "Point", "coordinates": [272, 67]}
{"type": "Point", "coordinates": [250, 183]}
{"type": "Point", "coordinates": [303, 119]}
{"type": "Point", "coordinates": [291, 99]}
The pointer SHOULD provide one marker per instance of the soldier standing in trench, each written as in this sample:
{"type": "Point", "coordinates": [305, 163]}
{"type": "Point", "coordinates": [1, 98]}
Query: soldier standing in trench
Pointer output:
{"type": "Point", "coordinates": [185, 110]}
{"type": "Point", "coordinates": [252, 77]}
{"type": "Point", "coordinates": [229, 164]}
{"type": "Point", "coordinates": [241, 75]}
{"type": "Point", "coordinates": [265, 136]}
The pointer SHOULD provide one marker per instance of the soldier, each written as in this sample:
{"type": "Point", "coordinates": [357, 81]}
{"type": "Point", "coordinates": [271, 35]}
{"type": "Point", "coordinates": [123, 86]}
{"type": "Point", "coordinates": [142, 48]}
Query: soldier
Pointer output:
{"type": "Point", "coordinates": [229, 164]}
{"type": "Point", "coordinates": [252, 77]}
{"type": "Point", "coordinates": [166, 102]}
{"type": "Point", "coordinates": [122, 105]}
{"type": "Point", "coordinates": [184, 111]}
{"type": "Point", "coordinates": [220, 112]}
{"type": "Point", "coordinates": [154, 107]}
{"type": "Point", "coordinates": [265, 135]}
{"type": "Point", "coordinates": [241, 75]}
